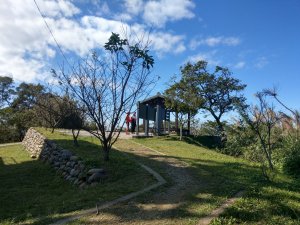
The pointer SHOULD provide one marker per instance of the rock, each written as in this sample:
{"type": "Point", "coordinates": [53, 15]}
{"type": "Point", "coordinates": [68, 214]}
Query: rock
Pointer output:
{"type": "Point", "coordinates": [81, 176]}
{"type": "Point", "coordinates": [66, 154]}
{"type": "Point", "coordinates": [82, 186]}
{"type": "Point", "coordinates": [74, 173]}
{"type": "Point", "coordinates": [95, 170]}
{"type": "Point", "coordinates": [96, 177]}
{"type": "Point", "coordinates": [74, 158]}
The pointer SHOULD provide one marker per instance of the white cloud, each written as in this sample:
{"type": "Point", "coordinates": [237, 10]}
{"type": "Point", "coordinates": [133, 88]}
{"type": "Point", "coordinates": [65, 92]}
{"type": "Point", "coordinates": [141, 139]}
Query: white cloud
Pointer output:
{"type": "Point", "coordinates": [240, 65]}
{"type": "Point", "coordinates": [261, 62]}
{"type": "Point", "coordinates": [209, 57]}
{"type": "Point", "coordinates": [214, 41]}
{"type": "Point", "coordinates": [134, 7]}
{"type": "Point", "coordinates": [158, 13]}
{"type": "Point", "coordinates": [56, 8]}
{"type": "Point", "coordinates": [26, 45]}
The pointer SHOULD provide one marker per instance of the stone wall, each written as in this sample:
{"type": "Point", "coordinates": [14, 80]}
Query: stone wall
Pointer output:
{"type": "Point", "coordinates": [66, 163]}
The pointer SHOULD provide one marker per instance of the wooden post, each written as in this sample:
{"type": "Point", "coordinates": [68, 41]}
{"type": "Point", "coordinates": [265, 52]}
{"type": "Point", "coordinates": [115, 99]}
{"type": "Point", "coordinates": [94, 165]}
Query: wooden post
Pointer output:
{"type": "Point", "coordinates": [137, 119]}
{"type": "Point", "coordinates": [147, 122]}
{"type": "Point", "coordinates": [157, 119]}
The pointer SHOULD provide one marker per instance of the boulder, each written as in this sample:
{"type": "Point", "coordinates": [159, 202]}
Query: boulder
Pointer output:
{"type": "Point", "coordinates": [96, 177]}
{"type": "Point", "coordinates": [74, 158]}
{"type": "Point", "coordinates": [66, 154]}
{"type": "Point", "coordinates": [95, 170]}
{"type": "Point", "coordinates": [74, 173]}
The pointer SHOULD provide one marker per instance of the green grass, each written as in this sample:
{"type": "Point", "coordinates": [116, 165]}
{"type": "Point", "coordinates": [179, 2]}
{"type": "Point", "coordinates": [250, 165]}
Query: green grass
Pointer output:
{"type": "Point", "coordinates": [31, 191]}
{"type": "Point", "coordinates": [276, 202]}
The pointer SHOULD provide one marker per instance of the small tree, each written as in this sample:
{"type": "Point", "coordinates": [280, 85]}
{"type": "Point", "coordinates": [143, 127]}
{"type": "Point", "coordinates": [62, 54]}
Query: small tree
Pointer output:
{"type": "Point", "coordinates": [50, 108]}
{"type": "Point", "coordinates": [108, 85]}
{"type": "Point", "coordinates": [182, 104]}
{"type": "Point", "coordinates": [73, 118]}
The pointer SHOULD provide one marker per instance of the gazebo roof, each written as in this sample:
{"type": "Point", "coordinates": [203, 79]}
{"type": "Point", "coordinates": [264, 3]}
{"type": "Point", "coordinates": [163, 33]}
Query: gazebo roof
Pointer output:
{"type": "Point", "coordinates": [154, 100]}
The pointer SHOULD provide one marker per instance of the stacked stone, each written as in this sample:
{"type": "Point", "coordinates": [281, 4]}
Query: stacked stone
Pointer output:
{"type": "Point", "coordinates": [68, 165]}
{"type": "Point", "coordinates": [34, 143]}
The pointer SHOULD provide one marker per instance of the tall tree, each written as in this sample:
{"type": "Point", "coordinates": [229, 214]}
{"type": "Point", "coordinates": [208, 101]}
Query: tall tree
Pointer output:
{"type": "Point", "coordinates": [218, 90]}
{"type": "Point", "coordinates": [23, 107]}
{"type": "Point", "coordinates": [108, 85]}
{"type": "Point", "coordinates": [6, 90]}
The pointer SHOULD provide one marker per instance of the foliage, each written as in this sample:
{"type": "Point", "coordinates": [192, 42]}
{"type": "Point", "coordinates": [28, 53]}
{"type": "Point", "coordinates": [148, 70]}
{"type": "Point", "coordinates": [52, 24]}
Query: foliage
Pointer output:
{"type": "Point", "coordinates": [73, 117]}
{"type": "Point", "coordinates": [6, 90]}
{"type": "Point", "coordinates": [218, 91]}
{"type": "Point", "coordinates": [288, 155]}
{"type": "Point", "coordinates": [108, 85]}
{"type": "Point", "coordinates": [185, 106]}
{"type": "Point", "coordinates": [241, 140]}
{"type": "Point", "coordinates": [19, 115]}
{"type": "Point", "coordinates": [209, 128]}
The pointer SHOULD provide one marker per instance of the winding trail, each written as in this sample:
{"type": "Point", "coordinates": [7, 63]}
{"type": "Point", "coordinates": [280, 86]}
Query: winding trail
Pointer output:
{"type": "Point", "coordinates": [161, 206]}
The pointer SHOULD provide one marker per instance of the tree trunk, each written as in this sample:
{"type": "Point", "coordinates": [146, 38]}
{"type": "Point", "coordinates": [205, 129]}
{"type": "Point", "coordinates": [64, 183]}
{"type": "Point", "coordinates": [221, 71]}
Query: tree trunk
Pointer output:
{"type": "Point", "coordinates": [52, 131]}
{"type": "Point", "coordinates": [176, 122]}
{"type": "Point", "coordinates": [189, 123]}
{"type": "Point", "coordinates": [223, 134]}
{"type": "Point", "coordinates": [105, 152]}
{"type": "Point", "coordinates": [181, 125]}
{"type": "Point", "coordinates": [75, 137]}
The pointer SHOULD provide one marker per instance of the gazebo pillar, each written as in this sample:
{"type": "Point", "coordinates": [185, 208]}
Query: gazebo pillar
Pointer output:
{"type": "Point", "coordinates": [147, 122]}
{"type": "Point", "coordinates": [137, 119]}
{"type": "Point", "coordinates": [157, 119]}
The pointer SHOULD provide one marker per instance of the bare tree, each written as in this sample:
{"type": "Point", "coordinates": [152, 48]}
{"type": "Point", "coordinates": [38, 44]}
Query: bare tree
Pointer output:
{"type": "Point", "coordinates": [263, 120]}
{"type": "Point", "coordinates": [50, 108]}
{"type": "Point", "coordinates": [295, 119]}
{"type": "Point", "coordinates": [109, 84]}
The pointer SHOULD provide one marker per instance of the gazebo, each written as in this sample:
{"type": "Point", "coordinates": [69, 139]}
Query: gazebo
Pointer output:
{"type": "Point", "coordinates": [154, 109]}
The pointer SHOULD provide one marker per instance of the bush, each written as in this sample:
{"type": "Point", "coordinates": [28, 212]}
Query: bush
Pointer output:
{"type": "Point", "coordinates": [291, 157]}
{"type": "Point", "coordinates": [240, 140]}
{"type": "Point", "coordinates": [8, 135]}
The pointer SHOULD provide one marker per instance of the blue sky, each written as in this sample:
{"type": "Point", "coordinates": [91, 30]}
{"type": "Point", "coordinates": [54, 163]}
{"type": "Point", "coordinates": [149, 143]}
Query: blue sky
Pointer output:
{"type": "Point", "coordinates": [258, 40]}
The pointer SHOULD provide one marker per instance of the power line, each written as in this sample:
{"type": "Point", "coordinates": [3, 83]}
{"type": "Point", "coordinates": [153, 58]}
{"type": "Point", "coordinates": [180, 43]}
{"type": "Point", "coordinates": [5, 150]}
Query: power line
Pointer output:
{"type": "Point", "coordinates": [49, 29]}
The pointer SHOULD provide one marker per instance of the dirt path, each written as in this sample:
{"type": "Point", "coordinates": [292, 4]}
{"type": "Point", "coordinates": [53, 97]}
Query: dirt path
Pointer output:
{"type": "Point", "coordinates": [160, 207]}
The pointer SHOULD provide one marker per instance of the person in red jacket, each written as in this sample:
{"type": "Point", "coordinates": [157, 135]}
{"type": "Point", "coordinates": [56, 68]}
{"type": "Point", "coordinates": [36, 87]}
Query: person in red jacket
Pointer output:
{"type": "Point", "coordinates": [128, 121]}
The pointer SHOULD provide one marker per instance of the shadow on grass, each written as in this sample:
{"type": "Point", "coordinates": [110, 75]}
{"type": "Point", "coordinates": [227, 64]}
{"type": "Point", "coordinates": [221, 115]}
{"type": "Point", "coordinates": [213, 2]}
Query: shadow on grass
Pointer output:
{"type": "Point", "coordinates": [210, 142]}
{"type": "Point", "coordinates": [33, 190]}
{"type": "Point", "coordinates": [203, 141]}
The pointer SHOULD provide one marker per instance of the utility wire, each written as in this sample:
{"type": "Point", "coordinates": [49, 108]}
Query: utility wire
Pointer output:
{"type": "Point", "coordinates": [49, 29]}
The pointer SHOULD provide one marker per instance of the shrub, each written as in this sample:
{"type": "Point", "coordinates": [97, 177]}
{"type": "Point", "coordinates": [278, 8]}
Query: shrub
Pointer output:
{"type": "Point", "coordinates": [8, 134]}
{"type": "Point", "coordinates": [291, 156]}
{"type": "Point", "coordinates": [240, 140]}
